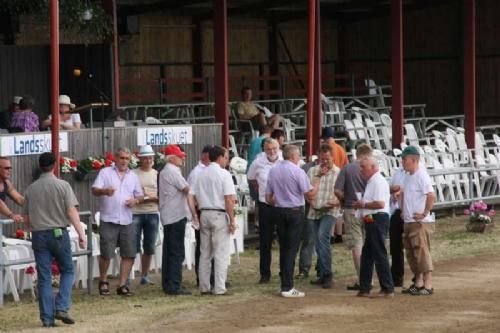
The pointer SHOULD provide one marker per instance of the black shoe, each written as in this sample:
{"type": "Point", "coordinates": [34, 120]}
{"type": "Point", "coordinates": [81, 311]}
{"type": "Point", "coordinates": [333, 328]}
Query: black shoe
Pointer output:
{"type": "Point", "coordinates": [338, 239]}
{"type": "Point", "coordinates": [409, 290]}
{"type": "Point", "coordinates": [317, 282]}
{"type": "Point", "coordinates": [327, 281]}
{"type": "Point", "coordinates": [64, 317]}
{"type": "Point", "coordinates": [180, 292]}
{"type": "Point", "coordinates": [49, 325]}
{"type": "Point", "coordinates": [354, 286]}
{"type": "Point", "coordinates": [264, 279]}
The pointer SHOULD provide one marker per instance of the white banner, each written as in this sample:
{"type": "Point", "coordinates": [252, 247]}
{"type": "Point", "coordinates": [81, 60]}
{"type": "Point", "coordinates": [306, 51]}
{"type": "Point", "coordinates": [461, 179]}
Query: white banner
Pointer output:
{"type": "Point", "coordinates": [31, 144]}
{"type": "Point", "coordinates": [161, 136]}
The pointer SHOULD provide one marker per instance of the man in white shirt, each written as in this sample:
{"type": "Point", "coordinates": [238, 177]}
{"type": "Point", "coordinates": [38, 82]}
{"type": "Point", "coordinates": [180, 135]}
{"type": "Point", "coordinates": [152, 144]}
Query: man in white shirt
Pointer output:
{"type": "Point", "coordinates": [214, 193]}
{"type": "Point", "coordinates": [417, 200]}
{"type": "Point", "coordinates": [174, 211]}
{"type": "Point", "coordinates": [257, 176]}
{"type": "Point", "coordinates": [374, 210]}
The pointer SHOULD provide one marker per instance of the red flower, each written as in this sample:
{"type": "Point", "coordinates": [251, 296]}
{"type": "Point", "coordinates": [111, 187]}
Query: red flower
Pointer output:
{"type": "Point", "coordinates": [96, 165]}
{"type": "Point", "coordinates": [61, 161]}
{"type": "Point", "coordinates": [109, 156]}
{"type": "Point", "coordinates": [73, 163]}
{"type": "Point", "coordinates": [55, 268]}
{"type": "Point", "coordinates": [30, 270]}
{"type": "Point", "coordinates": [108, 162]}
{"type": "Point", "coordinates": [20, 233]}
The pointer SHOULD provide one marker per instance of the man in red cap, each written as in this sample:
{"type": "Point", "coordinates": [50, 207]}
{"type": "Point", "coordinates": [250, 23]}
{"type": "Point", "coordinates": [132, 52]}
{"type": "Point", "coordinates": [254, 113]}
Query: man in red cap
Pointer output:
{"type": "Point", "coordinates": [174, 212]}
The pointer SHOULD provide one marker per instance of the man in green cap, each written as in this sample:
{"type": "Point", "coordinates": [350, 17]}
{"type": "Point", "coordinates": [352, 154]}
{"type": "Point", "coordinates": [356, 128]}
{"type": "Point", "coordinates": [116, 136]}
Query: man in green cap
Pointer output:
{"type": "Point", "coordinates": [417, 200]}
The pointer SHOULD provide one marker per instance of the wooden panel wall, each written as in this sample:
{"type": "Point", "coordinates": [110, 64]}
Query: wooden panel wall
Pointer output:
{"type": "Point", "coordinates": [87, 142]}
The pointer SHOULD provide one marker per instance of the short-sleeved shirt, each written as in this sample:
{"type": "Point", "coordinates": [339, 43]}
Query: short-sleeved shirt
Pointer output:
{"type": "Point", "coordinates": [325, 192]}
{"type": "Point", "coordinates": [259, 171]}
{"type": "Point", "coordinates": [377, 189]}
{"type": "Point", "coordinates": [149, 183]}
{"type": "Point", "coordinates": [254, 149]}
{"type": "Point", "coordinates": [288, 183]}
{"type": "Point", "coordinates": [349, 182]}
{"type": "Point", "coordinates": [173, 200]}
{"type": "Point", "coordinates": [397, 179]}
{"type": "Point", "coordinates": [193, 175]}
{"type": "Point", "coordinates": [247, 110]}
{"type": "Point", "coordinates": [212, 185]}
{"type": "Point", "coordinates": [415, 190]}
{"type": "Point", "coordinates": [47, 201]}
{"type": "Point", "coordinates": [75, 119]}
{"type": "Point", "coordinates": [26, 120]}
{"type": "Point", "coordinates": [113, 209]}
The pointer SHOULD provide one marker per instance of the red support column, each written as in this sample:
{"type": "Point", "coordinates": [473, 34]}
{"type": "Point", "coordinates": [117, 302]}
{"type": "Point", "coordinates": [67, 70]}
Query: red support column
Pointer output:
{"type": "Point", "coordinates": [397, 72]}
{"type": "Point", "coordinates": [470, 72]}
{"type": "Point", "coordinates": [116, 59]}
{"type": "Point", "coordinates": [317, 105]}
{"type": "Point", "coordinates": [310, 79]}
{"type": "Point", "coordinates": [54, 79]}
{"type": "Point", "coordinates": [221, 71]}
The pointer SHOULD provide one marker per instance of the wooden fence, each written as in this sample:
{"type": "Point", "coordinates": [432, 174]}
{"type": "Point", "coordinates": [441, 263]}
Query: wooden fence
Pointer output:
{"type": "Point", "coordinates": [87, 142]}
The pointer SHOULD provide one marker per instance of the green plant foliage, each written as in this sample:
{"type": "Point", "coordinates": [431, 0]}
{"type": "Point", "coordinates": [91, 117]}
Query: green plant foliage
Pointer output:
{"type": "Point", "coordinates": [70, 15]}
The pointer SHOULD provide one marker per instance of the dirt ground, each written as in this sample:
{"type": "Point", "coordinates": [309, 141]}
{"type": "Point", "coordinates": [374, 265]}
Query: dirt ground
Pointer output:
{"type": "Point", "coordinates": [465, 300]}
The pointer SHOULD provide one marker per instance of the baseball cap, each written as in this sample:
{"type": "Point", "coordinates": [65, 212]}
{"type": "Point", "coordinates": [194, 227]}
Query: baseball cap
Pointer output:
{"type": "Point", "coordinates": [17, 99]}
{"type": "Point", "coordinates": [46, 159]}
{"type": "Point", "coordinates": [174, 150]}
{"type": "Point", "coordinates": [410, 150]}
{"type": "Point", "coordinates": [327, 133]}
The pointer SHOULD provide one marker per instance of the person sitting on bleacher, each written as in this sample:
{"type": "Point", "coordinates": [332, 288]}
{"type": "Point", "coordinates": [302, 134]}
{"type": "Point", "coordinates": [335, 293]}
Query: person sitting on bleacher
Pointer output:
{"type": "Point", "coordinates": [25, 120]}
{"type": "Point", "coordinates": [67, 120]}
{"type": "Point", "coordinates": [259, 115]}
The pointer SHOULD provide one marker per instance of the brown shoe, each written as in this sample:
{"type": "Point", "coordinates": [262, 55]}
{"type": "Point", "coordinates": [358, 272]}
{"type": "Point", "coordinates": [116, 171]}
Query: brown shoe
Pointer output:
{"type": "Point", "coordinates": [385, 294]}
{"type": "Point", "coordinates": [362, 294]}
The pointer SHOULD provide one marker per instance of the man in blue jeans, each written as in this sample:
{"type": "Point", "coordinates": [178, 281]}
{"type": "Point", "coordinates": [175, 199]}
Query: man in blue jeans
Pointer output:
{"type": "Point", "coordinates": [146, 217]}
{"type": "Point", "coordinates": [322, 212]}
{"type": "Point", "coordinates": [50, 206]}
{"type": "Point", "coordinates": [374, 209]}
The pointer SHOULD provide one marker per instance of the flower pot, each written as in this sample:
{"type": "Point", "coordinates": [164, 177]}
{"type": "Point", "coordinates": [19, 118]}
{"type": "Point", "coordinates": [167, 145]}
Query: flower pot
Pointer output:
{"type": "Point", "coordinates": [479, 227]}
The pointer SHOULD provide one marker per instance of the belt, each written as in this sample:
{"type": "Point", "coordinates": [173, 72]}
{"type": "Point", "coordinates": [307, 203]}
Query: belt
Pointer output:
{"type": "Point", "coordinates": [214, 210]}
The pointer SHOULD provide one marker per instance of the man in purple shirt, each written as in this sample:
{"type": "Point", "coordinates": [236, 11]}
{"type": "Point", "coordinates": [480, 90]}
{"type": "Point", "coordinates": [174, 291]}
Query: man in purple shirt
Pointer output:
{"type": "Point", "coordinates": [286, 186]}
{"type": "Point", "coordinates": [118, 189]}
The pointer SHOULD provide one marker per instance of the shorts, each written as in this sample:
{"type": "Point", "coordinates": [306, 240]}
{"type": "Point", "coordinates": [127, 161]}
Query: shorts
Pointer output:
{"type": "Point", "coordinates": [417, 243]}
{"type": "Point", "coordinates": [115, 235]}
{"type": "Point", "coordinates": [146, 225]}
{"type": "Point", "coordinates": [354, 230]}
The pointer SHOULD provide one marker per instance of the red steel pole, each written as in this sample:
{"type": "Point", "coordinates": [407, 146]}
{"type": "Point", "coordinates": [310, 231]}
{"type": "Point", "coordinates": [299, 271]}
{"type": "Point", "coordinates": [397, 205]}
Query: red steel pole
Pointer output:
{"type": "Point", "coordinates": [470, 72]}
{"type": "Point", "coordinates": [310, 79]}
{"type": "Point", "coordinates": [54, 79]}
{"type": "Point", "coordinates": [221, 70]}
{"type": "Point", "coordinates": [397, 72]}
{"type": "Point", "coordinates": [317, 106]}
{"type": "Point", "coordinates": [116, 59]}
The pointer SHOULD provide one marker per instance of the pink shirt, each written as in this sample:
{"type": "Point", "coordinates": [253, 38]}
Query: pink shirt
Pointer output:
{"type": "Point", "coordinates": [113, 209]}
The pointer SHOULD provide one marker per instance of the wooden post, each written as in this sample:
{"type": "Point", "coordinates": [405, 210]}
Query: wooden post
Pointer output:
{"type": "Point", "coordinates": [220, 69]}
{"type": "Point", "coordinates": [470, 72]}
{"type": "Point", "coordinates": [397, 72]}
{"type": "Point", "coordinates": [54, 79]}
{"type": "Point", "coordinates": [310, 79]}
{"type": "Point", "coordinates": [317, 105]}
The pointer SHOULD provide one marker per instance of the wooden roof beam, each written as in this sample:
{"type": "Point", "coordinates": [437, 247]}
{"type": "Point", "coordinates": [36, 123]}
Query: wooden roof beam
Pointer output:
{"type": "Point", "coordinates": [156, 6]}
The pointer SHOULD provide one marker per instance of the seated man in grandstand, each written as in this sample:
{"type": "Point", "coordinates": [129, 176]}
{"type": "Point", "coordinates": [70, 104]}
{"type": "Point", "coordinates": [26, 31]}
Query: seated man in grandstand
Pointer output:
{"type": "Point", "coordinates": [259, 115]}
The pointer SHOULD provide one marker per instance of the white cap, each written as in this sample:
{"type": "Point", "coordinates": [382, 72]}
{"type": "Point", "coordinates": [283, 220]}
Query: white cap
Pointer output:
{"type": "Point", "coordinates": [65, 100]}
{"type": "Point", "coordinates": [17, 99]}
{"type": "Point", "coordinates": [146, 150]}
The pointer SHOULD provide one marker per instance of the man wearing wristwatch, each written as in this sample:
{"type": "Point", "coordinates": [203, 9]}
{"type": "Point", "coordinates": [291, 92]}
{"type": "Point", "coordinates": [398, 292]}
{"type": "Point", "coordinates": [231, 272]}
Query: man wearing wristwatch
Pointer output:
{"type": "Point", "coordinates": [118, 189]}
{"type": "Point", "coordinates": [214, 194]}
{"type": "Point", "coordinates": [146, 217]}
{"type": "Point", "coordinates": [7, 190]}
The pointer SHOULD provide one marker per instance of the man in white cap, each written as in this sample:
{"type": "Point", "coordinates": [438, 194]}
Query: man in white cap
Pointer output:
{"type": "Point", "coordinates": [67, 120]}
{"type": "Point", "coordinates": [146, 216]}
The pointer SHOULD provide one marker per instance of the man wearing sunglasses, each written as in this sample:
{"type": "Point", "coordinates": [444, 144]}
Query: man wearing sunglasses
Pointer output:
{"type": "Point", "coordinates": [8, 190]}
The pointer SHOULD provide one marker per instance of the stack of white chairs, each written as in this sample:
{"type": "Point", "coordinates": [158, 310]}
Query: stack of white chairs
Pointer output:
{"type": "Point", "coordinates": [15, 277]}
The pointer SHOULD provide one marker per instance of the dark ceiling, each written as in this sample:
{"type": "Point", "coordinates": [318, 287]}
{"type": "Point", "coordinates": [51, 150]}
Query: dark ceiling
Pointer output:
{"type": "Point", "coordinates": [278, 10]}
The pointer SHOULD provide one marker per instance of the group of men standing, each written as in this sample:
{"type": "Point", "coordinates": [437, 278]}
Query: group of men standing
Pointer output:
{"type": "Point", "coordinates": [357, 194]}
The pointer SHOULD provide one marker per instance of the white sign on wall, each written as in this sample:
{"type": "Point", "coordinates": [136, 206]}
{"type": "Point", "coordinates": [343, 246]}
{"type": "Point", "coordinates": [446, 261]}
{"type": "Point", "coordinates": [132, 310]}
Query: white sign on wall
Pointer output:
{"type": "Point", "coordinates": [31, 144]}
{"type": "Point", "coordinates": [160, 136]}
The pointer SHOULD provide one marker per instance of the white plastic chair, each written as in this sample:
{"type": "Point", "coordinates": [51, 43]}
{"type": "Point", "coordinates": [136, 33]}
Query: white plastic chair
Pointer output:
{"type": "Point", "coordinates": [17, 273]}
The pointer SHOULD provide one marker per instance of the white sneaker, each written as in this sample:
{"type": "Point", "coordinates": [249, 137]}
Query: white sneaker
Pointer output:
{"type": "Point", "coordinates": [292, 293]}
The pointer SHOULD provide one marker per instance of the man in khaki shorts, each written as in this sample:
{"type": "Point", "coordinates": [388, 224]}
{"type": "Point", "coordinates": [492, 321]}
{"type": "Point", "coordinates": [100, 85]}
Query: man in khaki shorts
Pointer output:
{"type": "Point", "coordinates": [417, 200]}
{"type": "Point", "coordinates": [349, 186]}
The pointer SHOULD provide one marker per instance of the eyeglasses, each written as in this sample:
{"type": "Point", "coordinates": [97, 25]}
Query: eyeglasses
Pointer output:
{"type": "Point", "coordinates": [6, 168]}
